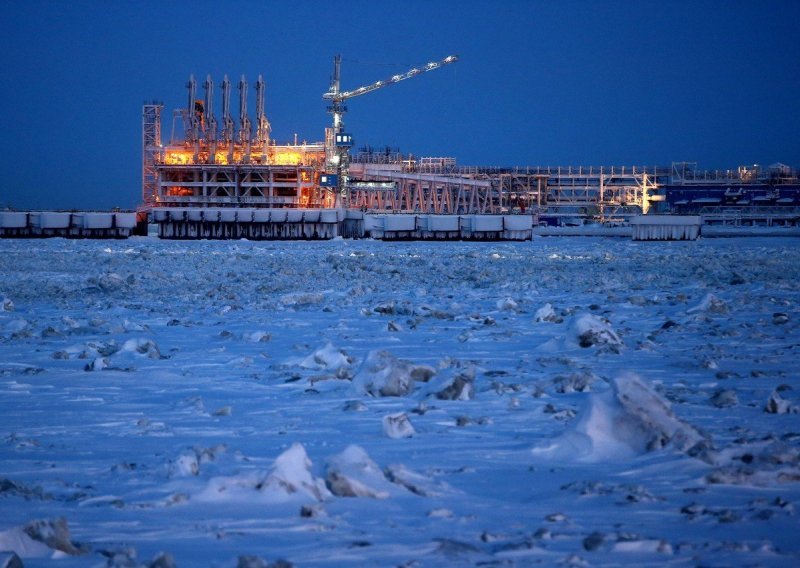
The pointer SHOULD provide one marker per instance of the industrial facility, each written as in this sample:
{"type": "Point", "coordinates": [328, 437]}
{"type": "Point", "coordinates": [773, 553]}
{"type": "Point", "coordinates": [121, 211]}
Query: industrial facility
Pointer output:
{"type": "Point", "coordinates": [220, 175]}
{"type": "Point", "coordinates": [221, 164]}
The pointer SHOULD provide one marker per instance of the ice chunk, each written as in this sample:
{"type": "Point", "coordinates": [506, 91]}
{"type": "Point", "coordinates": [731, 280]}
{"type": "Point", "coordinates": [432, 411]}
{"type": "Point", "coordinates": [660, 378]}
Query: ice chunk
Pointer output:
{"type": "Point", "coordinates": [507, 305]}
{"type": "Point", "coordinates": [398, 426]}
{"type": "Point", "coordinates": [54, 534]}
{"type": "Point", "coordinates": [545, 313]}
{"type": "Point", "coordinates": [258, 336]}
{"type": "Point", "coordinates": [98, 364]}
{"type": "Point", "coordinates": [576, 382]}
{"type": "Point", "coordinates": [111, 282]}
{"type": "Point", "coordinates": [628, 419]}
{"type": "Point", "coordinates": [142, 346]}
{"type": "Point", "coordinates": [353, 474]}
{"type": "Point", "coordinates": [99, 348]}
{"type": "Point", "coordinates": [588, 330]}
{"type": "Point", "coordinates": [776, 404]}
{"type": "Point", "coordinates": [189, 462]}
{"type": "Point", "coordinates": [291, 474]}
{"type": "Point", "coordinates": [416, 482]}
{"type": "Point", "coordinates": [462, 387]}
{"type": "Point", "coordinates": [709, 304]}
{"type": "Point", "coordinates": [187, 465]}
{"type": "Point", "coordinates": [289, 479]}
{"type": "Point", "coordinates": [422, 373]}
{"type": "Point", "coordinates": [327, 358]}
{"type": "Point", "coordinates": [128, 325]}
{"type": "Point", "coordinates": [382, 374]}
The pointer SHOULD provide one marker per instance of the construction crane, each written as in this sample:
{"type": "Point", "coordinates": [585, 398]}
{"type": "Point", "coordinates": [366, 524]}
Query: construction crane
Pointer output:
{"type": "Point", "coordinates": [338, 143]}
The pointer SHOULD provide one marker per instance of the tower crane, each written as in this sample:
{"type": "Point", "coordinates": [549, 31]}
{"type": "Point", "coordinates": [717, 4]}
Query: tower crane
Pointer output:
{"type": "Point", "coordinates": [338, 144]}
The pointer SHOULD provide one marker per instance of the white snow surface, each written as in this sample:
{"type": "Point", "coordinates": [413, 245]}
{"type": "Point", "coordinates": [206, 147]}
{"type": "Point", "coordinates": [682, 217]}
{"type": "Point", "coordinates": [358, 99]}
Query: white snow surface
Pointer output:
{"type": "Point", "coordinates": [587, 401]}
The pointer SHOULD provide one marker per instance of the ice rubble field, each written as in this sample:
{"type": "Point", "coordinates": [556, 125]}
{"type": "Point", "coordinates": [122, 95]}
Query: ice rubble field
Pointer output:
{"type": "Point", "coordinates": [573, 401]}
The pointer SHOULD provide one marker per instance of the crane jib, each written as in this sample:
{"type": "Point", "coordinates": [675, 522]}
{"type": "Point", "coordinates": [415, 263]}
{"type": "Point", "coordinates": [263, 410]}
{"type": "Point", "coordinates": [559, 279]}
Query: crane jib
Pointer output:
{"type": "Point", "coordinates": [336, 95]}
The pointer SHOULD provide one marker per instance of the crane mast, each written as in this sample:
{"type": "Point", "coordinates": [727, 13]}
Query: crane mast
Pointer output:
{"type": "Point", "coordinates": [338, 142]}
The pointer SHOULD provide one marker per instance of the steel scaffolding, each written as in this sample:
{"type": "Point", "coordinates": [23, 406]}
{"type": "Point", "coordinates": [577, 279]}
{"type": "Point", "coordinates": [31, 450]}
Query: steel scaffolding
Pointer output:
{"type": "Point", "coordinates": [151, 149]}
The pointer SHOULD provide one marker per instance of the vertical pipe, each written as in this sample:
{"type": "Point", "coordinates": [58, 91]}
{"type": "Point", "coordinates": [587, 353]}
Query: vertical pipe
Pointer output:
{"type": "Point", "coordinates": [227, 121]}
{"type": "Point", "coordinates": [211, 122]}
{"type": "Point", "coordinates": [245, 131]}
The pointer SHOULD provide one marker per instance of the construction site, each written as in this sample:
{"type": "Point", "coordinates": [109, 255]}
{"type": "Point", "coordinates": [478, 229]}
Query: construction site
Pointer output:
{"type": "Point", "coordinates": [219, 176]}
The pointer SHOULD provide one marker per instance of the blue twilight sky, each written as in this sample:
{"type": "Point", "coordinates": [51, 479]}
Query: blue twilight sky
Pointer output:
{"type": "Point", "coordinates": [538, 83]}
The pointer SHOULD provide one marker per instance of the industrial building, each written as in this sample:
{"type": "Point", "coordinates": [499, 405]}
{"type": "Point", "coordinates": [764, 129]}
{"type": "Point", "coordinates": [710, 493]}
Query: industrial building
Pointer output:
{"type": "Point", "coordinates": [217, 176]}
{"type": "Point", "coordinates": [213, 163]}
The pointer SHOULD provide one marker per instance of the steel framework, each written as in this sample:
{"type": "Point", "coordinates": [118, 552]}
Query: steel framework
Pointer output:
{"type": "Point", "coordinates": [151, 150]}
{"type": "Point", "coordinates": [337, 141]}
{"type": "Point", "coordinates": [214, 165]}
{"type": "Point", "coordinates": [422, 192]}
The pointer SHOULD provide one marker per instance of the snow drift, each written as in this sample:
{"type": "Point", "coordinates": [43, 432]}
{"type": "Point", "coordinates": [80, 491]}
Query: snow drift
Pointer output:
{"type": "Point", "coordinates": [289, 479]}
{"type": "Point", "coordinates": [626, 420]}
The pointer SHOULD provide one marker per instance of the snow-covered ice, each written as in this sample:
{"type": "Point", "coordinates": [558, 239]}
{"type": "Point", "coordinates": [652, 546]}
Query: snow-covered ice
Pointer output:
{"type": "Point", "coordinates": [565, 401]}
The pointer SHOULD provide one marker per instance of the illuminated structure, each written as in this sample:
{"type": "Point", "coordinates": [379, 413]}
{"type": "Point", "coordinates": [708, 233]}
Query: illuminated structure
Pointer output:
{"type": "Point", "coordinates": [220, 165]}
{"type": "Point", "coordinates": [216, 164]}
{"type": "Point", "coordinates": [337, 141]}
{"type": "Point", "coordinates": [224, 164]}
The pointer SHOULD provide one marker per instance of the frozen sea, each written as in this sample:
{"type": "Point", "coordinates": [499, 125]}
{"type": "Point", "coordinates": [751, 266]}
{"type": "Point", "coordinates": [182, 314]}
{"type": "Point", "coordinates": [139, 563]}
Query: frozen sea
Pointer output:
{"type": "Point", "coordinates": [566, 401]}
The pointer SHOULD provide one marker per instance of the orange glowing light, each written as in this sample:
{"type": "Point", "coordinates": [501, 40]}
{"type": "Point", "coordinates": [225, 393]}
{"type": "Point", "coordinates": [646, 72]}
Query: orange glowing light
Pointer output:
{"type": "Point", "coordinates": [178, 191]}
{"type": "Point", "coordinates": [287, 158]}
{"type": "Point", "coordinates": [178, 158]}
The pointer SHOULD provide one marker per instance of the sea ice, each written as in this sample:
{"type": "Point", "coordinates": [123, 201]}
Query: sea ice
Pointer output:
{"type": "Point", "coordinates": [628, 419]}
{"type": "Point", "coordinates": [314, 344]}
